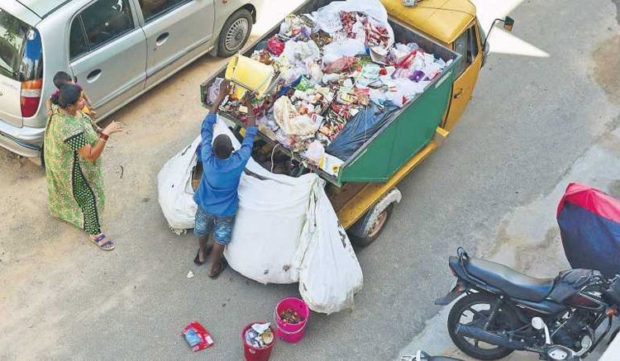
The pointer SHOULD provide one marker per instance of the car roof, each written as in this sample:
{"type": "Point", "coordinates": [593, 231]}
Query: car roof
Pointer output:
{"type": "Point", "coordinates": [42, 8]}
{"type": "Point", "coordinates": [443, 20]}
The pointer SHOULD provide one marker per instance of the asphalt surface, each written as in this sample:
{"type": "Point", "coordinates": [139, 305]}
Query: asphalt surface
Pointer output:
{"type": "Point", "coordinates": [530, 119]}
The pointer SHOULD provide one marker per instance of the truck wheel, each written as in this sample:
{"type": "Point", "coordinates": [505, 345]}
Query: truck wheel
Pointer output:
{"type": "Point", "coordinates": [369, 227]}
{"type": "Point", "coordinates": [235, 33]}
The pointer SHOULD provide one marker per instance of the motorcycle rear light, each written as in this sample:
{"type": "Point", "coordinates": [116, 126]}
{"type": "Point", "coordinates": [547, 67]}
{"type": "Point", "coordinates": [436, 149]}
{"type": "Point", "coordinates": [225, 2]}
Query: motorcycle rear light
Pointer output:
{"type": "Point", "coordinates": [30, 97]}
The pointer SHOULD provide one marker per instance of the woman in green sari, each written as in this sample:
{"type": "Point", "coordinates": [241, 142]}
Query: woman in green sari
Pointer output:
{"type": "Point", "coordinates": [72, 151]}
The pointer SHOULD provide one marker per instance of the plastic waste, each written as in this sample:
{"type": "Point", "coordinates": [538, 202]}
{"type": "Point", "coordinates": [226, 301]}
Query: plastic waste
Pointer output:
{"type": "Point", "coordinates": [359, 129]}
{"type": "Point", "coordinates": [289, 119]}
{"type": "Point", "coordinates": [340, 65]}
{"type": "Point", "coordinates": [315, 152]}
{"type": "Point", "coordinates": [338, 49]}
{"type": "Point", "coordinates": [197, 337]}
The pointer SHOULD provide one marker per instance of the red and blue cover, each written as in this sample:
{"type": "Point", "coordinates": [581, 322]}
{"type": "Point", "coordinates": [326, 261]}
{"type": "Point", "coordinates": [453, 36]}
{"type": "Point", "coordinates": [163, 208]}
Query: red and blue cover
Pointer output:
{"type": "Point", "coordinates": [589, 223]}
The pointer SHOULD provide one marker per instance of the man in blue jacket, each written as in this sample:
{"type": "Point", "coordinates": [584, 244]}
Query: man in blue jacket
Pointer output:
{"type": "Point", "coordinates": [216, 195]}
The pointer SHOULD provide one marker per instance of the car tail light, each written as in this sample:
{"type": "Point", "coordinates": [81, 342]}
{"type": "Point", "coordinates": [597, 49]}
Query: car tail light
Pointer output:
{"type": "Point", "coordinates": [30, 97]}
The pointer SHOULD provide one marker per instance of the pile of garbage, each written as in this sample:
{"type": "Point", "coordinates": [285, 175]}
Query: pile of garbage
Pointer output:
{"type": "Point", "coordinates": [259, 335]}
{"type": "Point", "coordinates": [333, 66]}
{"type": "Point", "coordinates": [290, 316]}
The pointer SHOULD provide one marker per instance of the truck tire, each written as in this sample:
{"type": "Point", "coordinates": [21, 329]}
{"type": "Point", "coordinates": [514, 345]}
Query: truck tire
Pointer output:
{"type": "Point", "coordinates": [235, 33]}
{"type": "Point", "coordinates": [369, 227]}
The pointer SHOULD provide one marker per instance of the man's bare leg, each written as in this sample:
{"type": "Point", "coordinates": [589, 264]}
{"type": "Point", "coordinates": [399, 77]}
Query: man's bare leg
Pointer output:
{"type": "Point", "coordinates": [217, 266]}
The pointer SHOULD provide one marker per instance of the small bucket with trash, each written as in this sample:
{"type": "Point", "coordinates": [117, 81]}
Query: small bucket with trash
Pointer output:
{"type": "Point", "coordinates": [291, 316]}
{"type": "Point", "coordinates": [258, 340]}
{"type": "Point", "coordinates": [249, 74]}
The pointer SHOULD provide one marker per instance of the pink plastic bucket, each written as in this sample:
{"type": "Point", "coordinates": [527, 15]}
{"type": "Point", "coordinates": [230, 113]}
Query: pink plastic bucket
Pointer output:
{"type": "Point", "coordinates": [252, 353]}
{"type": "Point", "coordinates": [292, 332]}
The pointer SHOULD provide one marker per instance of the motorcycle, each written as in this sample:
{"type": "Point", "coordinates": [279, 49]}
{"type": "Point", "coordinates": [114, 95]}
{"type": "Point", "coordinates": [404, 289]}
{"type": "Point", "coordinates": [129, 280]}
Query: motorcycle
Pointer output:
{"type": "Point", "coordinates": [504, 310]}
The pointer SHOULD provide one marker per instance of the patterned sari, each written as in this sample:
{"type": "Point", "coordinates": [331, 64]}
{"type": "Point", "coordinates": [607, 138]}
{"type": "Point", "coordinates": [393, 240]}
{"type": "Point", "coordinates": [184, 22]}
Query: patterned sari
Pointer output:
{"type": "Point", "coordinates": [75, 185]}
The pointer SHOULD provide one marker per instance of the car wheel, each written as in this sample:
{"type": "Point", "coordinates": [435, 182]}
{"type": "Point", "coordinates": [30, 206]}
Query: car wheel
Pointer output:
{"type": "Point", "coordinates": [235, 33]}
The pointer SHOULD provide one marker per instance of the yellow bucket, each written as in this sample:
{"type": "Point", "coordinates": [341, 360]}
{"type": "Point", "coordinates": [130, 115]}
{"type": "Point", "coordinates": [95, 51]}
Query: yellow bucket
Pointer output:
{"type": "Point", "coordinates": [249, 74]}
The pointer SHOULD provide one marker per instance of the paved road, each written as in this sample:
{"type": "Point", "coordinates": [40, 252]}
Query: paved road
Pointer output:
{"type": "Point", "coordinates": [530, 119]}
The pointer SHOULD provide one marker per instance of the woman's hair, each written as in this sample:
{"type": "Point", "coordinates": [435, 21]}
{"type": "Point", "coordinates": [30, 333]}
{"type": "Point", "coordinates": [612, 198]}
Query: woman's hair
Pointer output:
{"type": "Point", "coordinates": [68, 95]}
{"type": "Point", "coordinates": [62, 78]}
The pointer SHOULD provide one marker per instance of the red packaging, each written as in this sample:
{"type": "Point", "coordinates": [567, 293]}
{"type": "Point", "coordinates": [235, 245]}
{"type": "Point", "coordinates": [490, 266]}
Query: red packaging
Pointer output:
{"type": "Point", "coordinates": [275, 46]}
{"type": "Point", "coordinates": [197, 336]}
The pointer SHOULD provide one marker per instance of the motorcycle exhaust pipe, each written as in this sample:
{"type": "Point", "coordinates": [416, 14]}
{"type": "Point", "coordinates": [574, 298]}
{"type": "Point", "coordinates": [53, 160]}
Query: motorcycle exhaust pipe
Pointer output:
{"type": "Point", "coordinates": [488, 337]}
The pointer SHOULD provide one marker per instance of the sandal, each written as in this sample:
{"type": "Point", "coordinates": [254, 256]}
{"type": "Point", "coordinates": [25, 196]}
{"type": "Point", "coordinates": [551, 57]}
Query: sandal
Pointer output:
{"type": "Point", "coordinates": [102, 243]}
{"type": "Point", "coordinates": [207, 252]}
{"type": "Point", "coordinates": [221, 268]}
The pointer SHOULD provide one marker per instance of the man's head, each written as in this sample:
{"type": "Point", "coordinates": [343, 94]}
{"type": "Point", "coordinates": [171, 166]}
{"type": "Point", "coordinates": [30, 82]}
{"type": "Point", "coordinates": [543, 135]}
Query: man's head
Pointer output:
{"type": "Point", "coordinates": [222, 146]}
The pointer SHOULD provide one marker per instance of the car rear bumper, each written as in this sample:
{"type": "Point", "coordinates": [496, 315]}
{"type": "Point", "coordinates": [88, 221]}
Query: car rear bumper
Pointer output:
{"type": "Point", "coordinates": [25, 141]}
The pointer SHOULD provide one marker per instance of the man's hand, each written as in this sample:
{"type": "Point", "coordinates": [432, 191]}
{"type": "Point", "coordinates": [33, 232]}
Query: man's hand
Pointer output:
{"type": "Point", "coordinates": [247, 102]}
{"type": "Point", "coordinates": [221, 95]}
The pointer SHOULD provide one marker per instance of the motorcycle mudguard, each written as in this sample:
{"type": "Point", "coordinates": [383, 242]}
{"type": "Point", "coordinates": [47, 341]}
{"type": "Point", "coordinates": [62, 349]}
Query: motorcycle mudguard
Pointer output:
{"type": "Point", "coordinates": [451, 296]}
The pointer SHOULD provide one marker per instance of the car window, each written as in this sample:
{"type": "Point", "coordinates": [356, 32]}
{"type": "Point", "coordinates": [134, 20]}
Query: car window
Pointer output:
{"type": "Point", "coordinates": [473, 42]}
{"type": "Point", "coordinates": [467, 46]}
{"type": "Point", "coordinates": [153, 8]}
{"type": "Point", "coordinates": [77, 39]}
{"type": "Point", "coordinates": [12, 37]}
{"type": "Point", "coordinates": [102, 22]}
{"type": "Point", "coordinates": [460, 47]}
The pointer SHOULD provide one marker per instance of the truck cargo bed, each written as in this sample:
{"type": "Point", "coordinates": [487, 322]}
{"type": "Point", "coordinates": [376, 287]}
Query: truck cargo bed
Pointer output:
{"type": "Point", "coordinates": [405, 132]}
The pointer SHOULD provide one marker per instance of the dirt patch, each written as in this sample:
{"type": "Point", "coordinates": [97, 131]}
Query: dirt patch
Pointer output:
{"type": "Point", "coordinates": [606, 64]}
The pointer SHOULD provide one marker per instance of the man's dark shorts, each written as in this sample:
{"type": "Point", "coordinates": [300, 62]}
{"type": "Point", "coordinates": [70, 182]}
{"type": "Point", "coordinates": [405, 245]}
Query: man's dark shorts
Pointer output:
{"type": "Point", "coordinates": [221, 227]}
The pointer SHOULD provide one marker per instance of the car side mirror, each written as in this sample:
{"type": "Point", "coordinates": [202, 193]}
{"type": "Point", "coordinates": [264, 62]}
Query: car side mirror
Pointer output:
{"type": "Point", "coordinates": [508, 23]}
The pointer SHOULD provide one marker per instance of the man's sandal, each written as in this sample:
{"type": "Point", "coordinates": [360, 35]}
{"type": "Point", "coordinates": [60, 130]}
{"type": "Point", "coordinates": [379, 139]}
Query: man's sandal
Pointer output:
{"type": "Point", "coordinates": [104, 243]}
{"type": "Point", "coordinates": [207, 252]}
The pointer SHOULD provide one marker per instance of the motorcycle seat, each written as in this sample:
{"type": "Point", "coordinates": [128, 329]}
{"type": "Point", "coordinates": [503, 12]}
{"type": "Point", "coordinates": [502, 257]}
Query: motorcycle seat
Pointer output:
{"type": "Point", "coordinates": [511, 282]}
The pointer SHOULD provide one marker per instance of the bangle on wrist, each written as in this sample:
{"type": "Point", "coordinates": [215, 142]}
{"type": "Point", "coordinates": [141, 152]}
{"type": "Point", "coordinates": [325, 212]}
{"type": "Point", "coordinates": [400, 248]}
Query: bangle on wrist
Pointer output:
{"type": "Point", "coordinates": [104, 136]}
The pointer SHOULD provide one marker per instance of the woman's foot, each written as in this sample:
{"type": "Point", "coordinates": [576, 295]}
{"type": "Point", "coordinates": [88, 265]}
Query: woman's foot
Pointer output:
{"type": "Point", "coordinates": [103, 242]}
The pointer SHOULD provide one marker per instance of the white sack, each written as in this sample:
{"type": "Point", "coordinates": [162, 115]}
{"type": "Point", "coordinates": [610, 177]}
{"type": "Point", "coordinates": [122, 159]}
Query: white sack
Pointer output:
{"type": "Point", "coordinates": [328, 19]}
{"type": "Point", "coordinates": [174, 186]}
{"type": "Point", "coordinates": [329, 273]}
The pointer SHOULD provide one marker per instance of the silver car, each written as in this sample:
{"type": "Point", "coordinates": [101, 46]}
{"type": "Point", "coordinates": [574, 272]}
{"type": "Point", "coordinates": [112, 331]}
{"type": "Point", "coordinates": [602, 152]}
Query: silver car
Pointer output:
{"type": "Point", "coordinates": [116, 50]}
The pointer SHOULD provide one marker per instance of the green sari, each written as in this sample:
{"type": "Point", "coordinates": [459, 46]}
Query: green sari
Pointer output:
{"type": "Point", "coordinates": [75, 185]}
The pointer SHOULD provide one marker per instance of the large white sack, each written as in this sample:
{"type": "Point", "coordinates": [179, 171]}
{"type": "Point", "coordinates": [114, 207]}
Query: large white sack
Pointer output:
{"type": "Point", "coordinates": [175, 191]}
{"type": "Point", "coordinates": [329, 273]}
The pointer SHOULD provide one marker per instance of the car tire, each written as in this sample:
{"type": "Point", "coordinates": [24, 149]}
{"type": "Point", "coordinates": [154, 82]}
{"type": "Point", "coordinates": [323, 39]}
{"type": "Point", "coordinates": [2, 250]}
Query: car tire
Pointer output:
{"type": "Point", "coordinates": [235, 33]}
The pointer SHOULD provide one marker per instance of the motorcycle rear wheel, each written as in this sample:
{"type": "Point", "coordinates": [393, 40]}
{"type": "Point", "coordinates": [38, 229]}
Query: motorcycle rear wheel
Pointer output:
{"type": "Point", "coordinates": [479, 306]}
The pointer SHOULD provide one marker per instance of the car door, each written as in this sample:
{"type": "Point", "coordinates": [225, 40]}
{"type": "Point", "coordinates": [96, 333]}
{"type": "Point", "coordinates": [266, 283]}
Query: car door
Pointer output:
{"type": "Point", "coordinates": [467, 70]}
{"type": "Point", "coordinates": [174, 29]}
{"type": "Point", "coordinates": [108, 53]}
